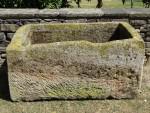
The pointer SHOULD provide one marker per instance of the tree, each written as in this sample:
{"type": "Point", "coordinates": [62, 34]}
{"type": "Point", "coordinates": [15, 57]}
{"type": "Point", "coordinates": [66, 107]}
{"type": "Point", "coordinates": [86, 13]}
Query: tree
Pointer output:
{"type": "Point", "coordinates": [65, 4]}
{"type": "Point", "coordinates": [24, 3]}
{"type": "Point", "coordinates": [34, 4]}
{"type": "Point", "coordinates": [99, 3]}
{"type": "Point", "coordinates": [124, 1]}
{"type": "Point", "coordinates": [78, 3]}
{"type": "Point", "coordinates": [146, 3]}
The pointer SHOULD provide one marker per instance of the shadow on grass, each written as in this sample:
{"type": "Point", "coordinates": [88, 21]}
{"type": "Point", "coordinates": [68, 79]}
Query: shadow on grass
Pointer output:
{"type": "Point", "coordinates": [4, 87]}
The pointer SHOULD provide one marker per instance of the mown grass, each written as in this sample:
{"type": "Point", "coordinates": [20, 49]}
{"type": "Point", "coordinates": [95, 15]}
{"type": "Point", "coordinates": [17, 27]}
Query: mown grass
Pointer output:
{"type": "Point", "coordinates": [108, 4]}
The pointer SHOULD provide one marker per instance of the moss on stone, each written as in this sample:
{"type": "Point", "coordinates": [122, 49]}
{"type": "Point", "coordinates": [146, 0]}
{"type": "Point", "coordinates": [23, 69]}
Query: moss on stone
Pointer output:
{"type": "Point", "coordinates": [79, 90]}
{"type": "Point", "coordinates": [140, 44]}
{"type": "Point", "coordinates": [72, 32]}
{"type": "Point", "coordinates": [53, 56]}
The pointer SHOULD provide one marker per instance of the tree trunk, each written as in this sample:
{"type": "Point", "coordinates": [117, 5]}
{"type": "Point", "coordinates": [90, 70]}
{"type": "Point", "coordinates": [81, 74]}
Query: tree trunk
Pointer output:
{"type": "Point", "coordinates": [64, 4]}
{"type": "Point", "coordinates": [78, 3]}
{"type": "Point", "coordinates": [99, 3]}
{"type": "Point", "coordinates": [131, 3]}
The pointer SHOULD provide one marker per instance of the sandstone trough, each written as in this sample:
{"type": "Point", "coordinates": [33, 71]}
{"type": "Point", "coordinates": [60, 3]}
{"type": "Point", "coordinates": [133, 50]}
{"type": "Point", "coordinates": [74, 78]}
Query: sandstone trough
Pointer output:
{"type": "Point", "coordinates": [75, 61]}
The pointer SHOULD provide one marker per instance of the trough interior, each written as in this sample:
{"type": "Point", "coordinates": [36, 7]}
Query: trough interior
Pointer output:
{"type": "Point", "coordinates": [96, 33]}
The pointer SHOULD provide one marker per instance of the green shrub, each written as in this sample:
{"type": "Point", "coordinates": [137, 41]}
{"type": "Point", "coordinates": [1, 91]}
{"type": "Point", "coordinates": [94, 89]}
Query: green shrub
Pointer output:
{"type": "Point", "coordinates": [30, 3]}
{"type": "Point", "coordinates": [9, 3]}
{"type": "Point", "coordinates": [34, 3]}
{"type": "Point", "coordinates": [54, 4]}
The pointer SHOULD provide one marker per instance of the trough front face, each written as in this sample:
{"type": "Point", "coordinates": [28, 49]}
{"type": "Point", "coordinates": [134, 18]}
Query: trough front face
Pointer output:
{"type": "Point", "coordinates": [75, 61]}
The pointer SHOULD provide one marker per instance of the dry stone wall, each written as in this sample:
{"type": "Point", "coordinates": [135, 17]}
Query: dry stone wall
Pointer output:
{"type": "Point", "coordinates": [12, 19]}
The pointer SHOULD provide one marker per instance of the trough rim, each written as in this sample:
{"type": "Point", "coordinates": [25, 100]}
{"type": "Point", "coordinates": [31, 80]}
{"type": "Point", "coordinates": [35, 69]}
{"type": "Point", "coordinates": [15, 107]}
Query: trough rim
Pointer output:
{"type": "Point", "coordinates": [20, 41]}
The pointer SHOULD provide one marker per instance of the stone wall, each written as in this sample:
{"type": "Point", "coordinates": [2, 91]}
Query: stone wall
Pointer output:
{"type": "Point", "coordinates": [12, 19]}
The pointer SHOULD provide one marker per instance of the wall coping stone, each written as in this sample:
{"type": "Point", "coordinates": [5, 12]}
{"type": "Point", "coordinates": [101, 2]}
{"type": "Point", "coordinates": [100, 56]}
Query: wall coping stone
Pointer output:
{"type": "Point", "coordinates": [74, 13]}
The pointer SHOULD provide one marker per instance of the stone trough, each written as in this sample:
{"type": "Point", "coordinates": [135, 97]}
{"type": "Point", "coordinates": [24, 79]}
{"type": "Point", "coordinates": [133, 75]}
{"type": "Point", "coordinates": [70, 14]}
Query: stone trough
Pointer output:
{"type": "Point", "coordinates": [75, 61]}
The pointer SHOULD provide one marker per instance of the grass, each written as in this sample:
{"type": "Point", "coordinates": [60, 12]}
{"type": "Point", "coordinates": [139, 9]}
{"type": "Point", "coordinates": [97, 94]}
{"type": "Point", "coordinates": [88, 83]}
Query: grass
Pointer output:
{"type": "Point", "coordinates": [108, 4]}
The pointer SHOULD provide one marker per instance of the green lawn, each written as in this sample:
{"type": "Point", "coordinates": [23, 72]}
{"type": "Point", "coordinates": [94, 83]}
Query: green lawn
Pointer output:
{"type": "Point", "coordinates": [107, 4]}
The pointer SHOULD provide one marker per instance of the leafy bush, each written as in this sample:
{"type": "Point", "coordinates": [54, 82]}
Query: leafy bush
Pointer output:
{"type": "Point", "coordinates": [146, 3]}
{"type": "Point", "coordinates": [9, 3]}
{"type": "Point", "coordinates": [34, 3]}
{"type": "Point", "coordinates": [54, 4]}
{"type": "Point", "coordinates": [30, 3]}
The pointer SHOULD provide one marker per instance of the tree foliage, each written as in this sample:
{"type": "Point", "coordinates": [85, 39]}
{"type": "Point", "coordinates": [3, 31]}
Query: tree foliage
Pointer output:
{"type": "Point", "coordinates": [65, 4]}
{"type": "Point", "coordinates": [23, 3]}
{"type": "Point", "coordinates": [33, 3]}
{"type": "Point", "coordinates": [146, 3]}
{"type": "Point", "coordinates": [99, 3]}
{"type": "Point", "coordinates": [78, 3]}
{"type": "Point", "coordinates": [54, 3]}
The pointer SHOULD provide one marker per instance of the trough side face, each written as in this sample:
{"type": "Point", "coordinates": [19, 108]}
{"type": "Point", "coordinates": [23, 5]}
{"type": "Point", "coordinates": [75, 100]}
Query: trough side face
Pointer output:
{"type": "Point", "coordinates": [75, 69]}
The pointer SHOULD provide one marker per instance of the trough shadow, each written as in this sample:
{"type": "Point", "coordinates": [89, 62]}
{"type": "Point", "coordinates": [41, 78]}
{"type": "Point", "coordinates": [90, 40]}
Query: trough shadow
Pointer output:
{"type": "Point", "coordinates": [4, 87]}
{"type": "Point", "coordinates": [120, 33]}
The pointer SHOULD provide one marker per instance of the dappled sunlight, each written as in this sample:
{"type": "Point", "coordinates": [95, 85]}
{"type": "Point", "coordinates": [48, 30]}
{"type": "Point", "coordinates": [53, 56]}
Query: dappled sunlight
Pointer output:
{"type": "Point", "coordinates": [107, 4]}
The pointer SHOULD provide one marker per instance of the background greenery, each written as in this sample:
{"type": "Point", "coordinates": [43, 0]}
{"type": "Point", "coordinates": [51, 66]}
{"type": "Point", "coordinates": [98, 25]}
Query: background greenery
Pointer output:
{"type": "Point", "coordinates": [73, 3]}
{"type": "Point", "coordinates": [110, 4]}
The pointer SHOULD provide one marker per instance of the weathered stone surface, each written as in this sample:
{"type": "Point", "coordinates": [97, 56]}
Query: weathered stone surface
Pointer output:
{"type": "Point", "coordinates": [2, 49]}
{"type": "Point", "coordinates": [119, 13]}
{"type": "Point", "coordinates": [3, 56]}
{"type": "Point", "coordinates": [18, 13]}
{"type": "Point", "coordinates": [47, 13]}
{"type": "Point", "coordinates": [2, 36]}
{"type": "Point", "coordinates": [148, 33]}
{"type": "Point", "coordinates": [80, 13]}
{"type": "Point", "coordinates": [104, 20]}
{"type": "Point", "coordinates": [28, 21]}
{"type": "Point", "coordinates": [147, 50]}
{"type": "Point", "coordinates": [75, 61]}
{"type": "Point", "coordinates": [120, 20]}
{"type": "Point", "coordinates": [76, 21]}
{"type": "Point", "coordinates": [138, 30]}
{"type": "Point", "coordinates": [142, 35]}
{"type": "Point", "coordinates": [143, 29]}
{"type": "Point", "coordinates": [147, 39]}
{"type": "Point", "coordinates": [12, 21]}
{"type": "Point", "coordinates": [138, 22]}
{"type": "Point", "coordinates": [55, 13]}
{"type": "Point", "coordinates": [52, 21]}
{"type": "Point", "coordinates": [10, 36]}
{"type": "Point", "coordinates": [8, 27]}
{"type": "Point", "coordinates": [136, 27]}
{"type": "Point", "coordinates": [138, 13]}
{"type": "Point", "coordinates": [91, 20]}
{"type": "Point", "coordinates": [148, 27]}
{"type": "Point", "coordinates": [147, 44]}
{"type": "Point", "coordinates": [1, 21]}
{"type": "Point", "coordinates": [149, 21]}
